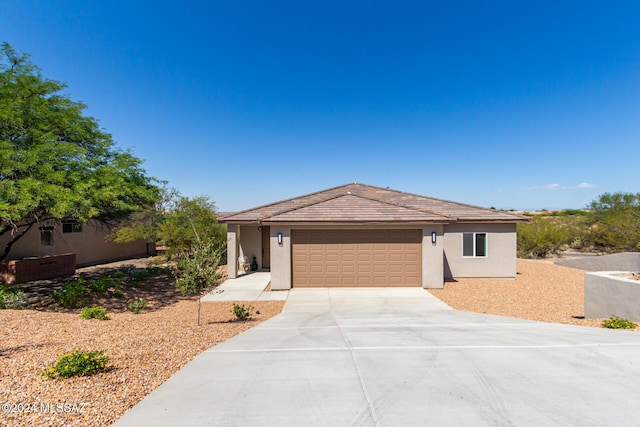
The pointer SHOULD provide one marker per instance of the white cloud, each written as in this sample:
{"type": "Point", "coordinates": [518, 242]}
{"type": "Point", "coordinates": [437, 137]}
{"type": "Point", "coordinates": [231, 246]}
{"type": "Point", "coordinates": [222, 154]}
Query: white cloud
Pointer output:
{"type": "Point", "coordinates": [585, 185]}
{"type": "Point", "coordinates": [552, 186]}
{"type": "Point", "coordinates": [556, 186]}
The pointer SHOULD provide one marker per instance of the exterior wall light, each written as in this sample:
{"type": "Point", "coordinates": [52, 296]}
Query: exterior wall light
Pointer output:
{"type": "Point", "coordinates": [280, 239]}
{"type": "Point", "coordinates": [433, 237]}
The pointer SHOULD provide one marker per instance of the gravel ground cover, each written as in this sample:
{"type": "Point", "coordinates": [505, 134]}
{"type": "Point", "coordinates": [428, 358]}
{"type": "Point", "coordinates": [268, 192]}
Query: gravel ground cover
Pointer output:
{"type": "Point", "coordinates": [541, 291]}
{"type": "Point", "coordinates": [146, 349]}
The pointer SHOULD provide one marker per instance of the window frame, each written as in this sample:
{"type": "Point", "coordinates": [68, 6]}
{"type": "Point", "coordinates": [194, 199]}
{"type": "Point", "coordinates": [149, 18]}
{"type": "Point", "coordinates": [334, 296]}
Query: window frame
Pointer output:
{"type": "Point", "coordinates": [475, 242]}
{"type": "Point", "coordinates": [76, 227]}
{"type": "Point", "coordinates": [49, 241]}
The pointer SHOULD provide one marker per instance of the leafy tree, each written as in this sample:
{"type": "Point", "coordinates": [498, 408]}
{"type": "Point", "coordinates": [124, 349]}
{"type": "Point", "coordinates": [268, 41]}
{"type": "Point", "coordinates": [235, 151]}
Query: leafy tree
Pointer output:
{"type": "Point", "coordinates": [145, 223]}
{"type": "Point", "coordinates": [608, 204]}
{"type": "Point", "coordinates": [177, 222]}
{"type": "Point", "coordinates": [616, 221]}
{"type": "Point", "coordinates": [192, 221]}
{"type": "Point", "coordinates": [55, 162]}
{"type": "Point", "coordinates": [188, 228]}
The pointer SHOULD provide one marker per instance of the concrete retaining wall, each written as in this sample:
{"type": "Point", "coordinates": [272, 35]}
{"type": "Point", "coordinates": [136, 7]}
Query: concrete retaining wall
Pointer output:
{"type": "Point", "coordinates": [609, 292]}
{"type": "Point", "coordinates": [625, 261]}
{"type": "Point", "coordinates": [40, 268]}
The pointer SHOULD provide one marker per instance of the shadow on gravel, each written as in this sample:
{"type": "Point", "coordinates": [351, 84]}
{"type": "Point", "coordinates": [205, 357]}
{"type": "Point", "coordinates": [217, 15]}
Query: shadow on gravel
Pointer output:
{"type": "Point", "coordinates": [159, 291]}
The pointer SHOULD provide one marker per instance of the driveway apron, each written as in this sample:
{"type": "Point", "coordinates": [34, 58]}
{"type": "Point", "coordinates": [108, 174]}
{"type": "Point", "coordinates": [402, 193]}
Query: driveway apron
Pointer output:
{"type": "Point", "coordinates": [401, 357]}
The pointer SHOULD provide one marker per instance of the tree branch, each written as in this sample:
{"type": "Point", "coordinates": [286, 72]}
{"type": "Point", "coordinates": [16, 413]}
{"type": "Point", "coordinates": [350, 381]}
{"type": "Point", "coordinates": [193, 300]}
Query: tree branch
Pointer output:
{"type": "Point", "coordinates": [16, 237]}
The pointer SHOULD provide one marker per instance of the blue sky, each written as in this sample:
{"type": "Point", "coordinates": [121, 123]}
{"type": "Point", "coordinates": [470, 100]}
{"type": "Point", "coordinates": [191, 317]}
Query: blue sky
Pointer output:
{"type": "Point", "coordinates": [512, 104]}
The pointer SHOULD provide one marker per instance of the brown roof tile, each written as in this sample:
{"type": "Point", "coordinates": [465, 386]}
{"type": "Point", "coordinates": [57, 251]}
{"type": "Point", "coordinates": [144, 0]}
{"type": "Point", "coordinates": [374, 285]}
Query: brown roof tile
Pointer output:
{"type": "Point", "coordinates": [365, 203]}
{"type": "Point", "coordinates": [352, 208]}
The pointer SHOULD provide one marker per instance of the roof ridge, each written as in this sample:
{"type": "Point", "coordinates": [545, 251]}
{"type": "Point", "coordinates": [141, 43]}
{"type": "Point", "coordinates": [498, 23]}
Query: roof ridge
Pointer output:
{"type": "Point", "coordinates": [414, 202]}
{"type": "Point", "coordinates": [286, 200]}
{"type": "Point", "coordinates": [404, 206]}
{"type": "Point", "coordinates": [428, 197]}
{"type": "Point", "coordinates": [306, 205]}
{"type": "Point", "coordinates": [438, 199]}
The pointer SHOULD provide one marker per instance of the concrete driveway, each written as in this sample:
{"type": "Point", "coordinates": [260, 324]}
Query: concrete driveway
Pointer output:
{"type": "Point", "coordinates": [400, 357]}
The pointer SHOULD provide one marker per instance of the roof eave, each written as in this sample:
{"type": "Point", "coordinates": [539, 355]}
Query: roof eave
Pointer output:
{"type": "Point", "coordinates": [355, 222]}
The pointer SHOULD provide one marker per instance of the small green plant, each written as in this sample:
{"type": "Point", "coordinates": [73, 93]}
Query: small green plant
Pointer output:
{"type": "Point", "coordinates": [615, 322]}
{"type": "Point", "coordinates": [71, 294]}
{"type": "Point", "coordinates": [12, 297]}
{"type": "Point", "coordinates": [137, 306]}
{"type": "Point", "coordinates": [77, 363]}
{"type": "Point", "coordinates": [198, 270]}
{"type": "Point", "coordinates": [241, 312]}
{"type": "Point", "coordinates": [102, 284]}
{"type": "Point", "coordinates": [127, 269]}
{"type": "Point", "coordinates": [99, 313]}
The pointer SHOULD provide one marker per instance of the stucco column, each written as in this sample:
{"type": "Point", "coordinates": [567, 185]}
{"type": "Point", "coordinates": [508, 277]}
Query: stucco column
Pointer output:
{"type": "Point", "coordinates": [232, 251]}
{"type": "Point", "coordinates": [280, 258]}
{"type": "Point", "coordinates": [433, 257]}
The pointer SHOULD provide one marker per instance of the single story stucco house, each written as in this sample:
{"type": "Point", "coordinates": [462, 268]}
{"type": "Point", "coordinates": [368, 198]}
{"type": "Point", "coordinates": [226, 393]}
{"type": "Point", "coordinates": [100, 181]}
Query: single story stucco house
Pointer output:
{"type": "Point", "coordinates": [89, 241]}
{"type": "Point", "coordinates": [361, 235]}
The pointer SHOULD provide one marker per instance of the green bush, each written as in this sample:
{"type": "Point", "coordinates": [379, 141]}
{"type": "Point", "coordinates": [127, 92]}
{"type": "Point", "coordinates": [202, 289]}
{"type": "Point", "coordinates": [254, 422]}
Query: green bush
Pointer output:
{"type": "Point", "coordinates": [99, 313]}
{"type": "Point", "coordinates": [71, 294]}
{"type": "Point", "coordinates": [137, 306]}
{"type": "Point", "coordinates": [541, 237]}
{"type": "Point", "coordinates": [137, 275]}
{"type": "Point", "coordinates": [102, 284]}
{"type": "Point", "coordinates": [615, 322]}
{"type": "Point", "coordinates": [198, 270]}
{"type": "Point", "coordinates": [77, 363]}
{"type": "Point", "coordinates": [12, 297]}
{"type": "Point", "coordinates": [241, 312]}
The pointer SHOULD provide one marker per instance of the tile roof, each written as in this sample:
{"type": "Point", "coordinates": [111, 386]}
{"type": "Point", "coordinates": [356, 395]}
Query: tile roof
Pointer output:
{"type": "Point", "coordinates": [365, 203]}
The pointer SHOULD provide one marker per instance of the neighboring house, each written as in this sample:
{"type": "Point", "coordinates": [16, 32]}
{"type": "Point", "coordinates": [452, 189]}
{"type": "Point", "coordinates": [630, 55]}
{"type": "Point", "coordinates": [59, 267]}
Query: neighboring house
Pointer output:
{"type": "Point", "coordinates": [87, 240]}
{"type": "Point", "coordinates": [360, 235]}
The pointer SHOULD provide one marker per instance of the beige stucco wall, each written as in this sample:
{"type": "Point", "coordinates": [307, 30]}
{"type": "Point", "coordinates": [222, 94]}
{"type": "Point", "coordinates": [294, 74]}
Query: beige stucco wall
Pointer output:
{"type": "Point", "coordinates": [232, 251]}
{"type": "Point", "coordinates": [439, 261]}
{"type": "Point", "coordinates": [89, 246]}
{"type": "Point", "coordinates": [250, 243]}
{"type": "Point", "coordinates": [501, 259]}
{"type": "Point", "coordinates": [280, 257]}
{"type": "Point", "coordinates": [432, 257]}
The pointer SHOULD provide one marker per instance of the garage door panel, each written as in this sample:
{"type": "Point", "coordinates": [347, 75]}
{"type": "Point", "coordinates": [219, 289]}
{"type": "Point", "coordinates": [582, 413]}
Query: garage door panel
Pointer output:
{"type": "Point", "coordinates": [356, 257]}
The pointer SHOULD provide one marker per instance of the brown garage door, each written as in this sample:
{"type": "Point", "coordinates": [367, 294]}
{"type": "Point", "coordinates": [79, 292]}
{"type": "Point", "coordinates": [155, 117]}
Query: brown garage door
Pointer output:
{"type": "Point", "coordinates": [356, 258]}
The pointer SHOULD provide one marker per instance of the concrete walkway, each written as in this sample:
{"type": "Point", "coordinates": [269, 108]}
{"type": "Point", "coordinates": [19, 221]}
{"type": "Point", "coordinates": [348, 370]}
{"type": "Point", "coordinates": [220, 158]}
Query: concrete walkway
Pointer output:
{"type": "Point", "coordinates": [247, 287]}
{"type": "Point", "coordinates": [400, 357]}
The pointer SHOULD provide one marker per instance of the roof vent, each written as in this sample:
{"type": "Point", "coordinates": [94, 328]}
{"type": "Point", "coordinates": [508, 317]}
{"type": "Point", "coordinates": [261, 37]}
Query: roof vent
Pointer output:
{"type": "Point", "coordinates": [348, 192]}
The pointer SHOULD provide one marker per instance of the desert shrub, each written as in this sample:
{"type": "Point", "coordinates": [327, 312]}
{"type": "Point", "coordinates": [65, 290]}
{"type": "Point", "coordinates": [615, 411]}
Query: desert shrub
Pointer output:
{"type": "Point", "coordinates": [102, 284]}
{"type": "Point", "coordinates": [12, 297]}
{"type": "Point", "coordinates": [540, 237]}
{"type": "Point", "coordinates": [615, 322]}
{"type": "Point", "coordinates": [615, 222]}
{"type": "Point", "coordinates": [198, 270]}
{"type": "Point", "coordinates": [127, 269]}
{"type": "Point", "coordinates": [77, 363]}
{"type": "Point", "coordinates": [137, 306]}
{"type": "Point", "coordinates": [99, 313]}
{"type": "Point", "coordinates": [137, 275]}
{"type": "Point", "coordinates": [617, 231]}
{"type": "Point", "coordinates": [241, 312]}
{"type": "Point", "coordinates": [71, 295]}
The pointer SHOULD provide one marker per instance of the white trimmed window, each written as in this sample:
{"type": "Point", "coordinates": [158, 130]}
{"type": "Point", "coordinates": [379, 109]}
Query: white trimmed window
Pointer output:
{"type": "Point", "coordinates": [474, 245]}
